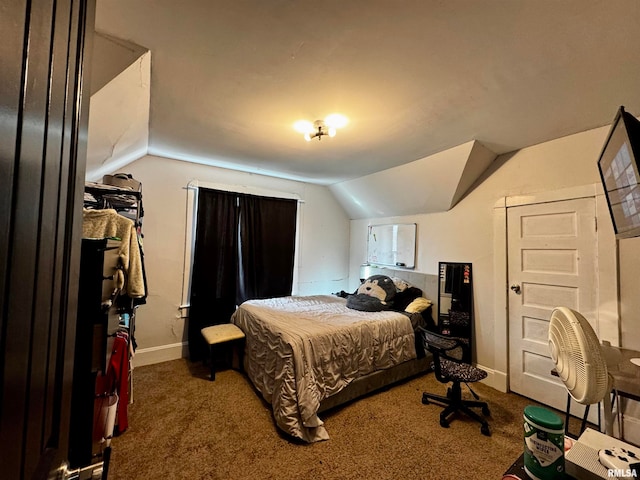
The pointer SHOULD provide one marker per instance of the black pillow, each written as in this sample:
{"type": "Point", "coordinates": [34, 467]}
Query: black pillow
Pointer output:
{"type": "Point", "coordinates": [405, 297]}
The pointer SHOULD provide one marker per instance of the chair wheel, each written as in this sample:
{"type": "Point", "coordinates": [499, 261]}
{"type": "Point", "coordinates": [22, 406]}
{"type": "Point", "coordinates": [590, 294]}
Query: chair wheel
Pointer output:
{"type": "Point", "coordinates": [444, 423]}
{"type": "Point", "coordinates": [485, 411]}
{"type": "Point", "coordinates": [484, 429]}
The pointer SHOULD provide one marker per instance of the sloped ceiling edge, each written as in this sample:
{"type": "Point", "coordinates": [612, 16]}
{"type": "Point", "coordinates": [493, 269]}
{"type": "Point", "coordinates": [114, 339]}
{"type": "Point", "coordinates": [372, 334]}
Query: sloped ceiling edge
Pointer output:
{"type": "Point", "coordinates": [428, 185]}
{"type": "Point", "coordinates": [119, 120]}
{"type": "Point", "coordinates": [479, 159]}
{"type": "Point", "coordinates": [111, 56]}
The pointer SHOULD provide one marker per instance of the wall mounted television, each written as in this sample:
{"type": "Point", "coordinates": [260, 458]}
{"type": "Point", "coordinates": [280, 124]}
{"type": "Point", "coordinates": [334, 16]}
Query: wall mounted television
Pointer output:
{"type": "Point", "coordinates": [618, 165]}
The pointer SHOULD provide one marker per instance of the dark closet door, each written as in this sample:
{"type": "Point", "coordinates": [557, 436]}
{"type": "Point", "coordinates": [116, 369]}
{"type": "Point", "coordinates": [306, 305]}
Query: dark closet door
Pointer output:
{"type": "Point", "coordinates": [43, 123]}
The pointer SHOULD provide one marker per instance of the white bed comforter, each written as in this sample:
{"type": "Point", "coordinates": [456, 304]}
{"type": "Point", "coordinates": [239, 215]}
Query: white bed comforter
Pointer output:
{"type": "Point", "coordinates": [301, 350]}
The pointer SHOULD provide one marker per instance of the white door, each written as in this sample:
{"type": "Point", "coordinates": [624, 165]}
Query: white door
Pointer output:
{"type": "Point", "coordinates": [551, 262]}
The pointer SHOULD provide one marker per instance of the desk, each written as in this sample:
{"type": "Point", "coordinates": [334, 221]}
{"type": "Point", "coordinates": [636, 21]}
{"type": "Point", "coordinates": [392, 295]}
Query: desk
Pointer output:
{"type": "Point", "coordinates": [626, 375]}
{"type": "Point", "coordinates": [626, 381]}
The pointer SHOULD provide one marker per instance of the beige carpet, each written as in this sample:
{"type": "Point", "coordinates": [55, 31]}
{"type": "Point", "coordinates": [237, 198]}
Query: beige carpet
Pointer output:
{"type": "Point", "coordinates": [182, 426]}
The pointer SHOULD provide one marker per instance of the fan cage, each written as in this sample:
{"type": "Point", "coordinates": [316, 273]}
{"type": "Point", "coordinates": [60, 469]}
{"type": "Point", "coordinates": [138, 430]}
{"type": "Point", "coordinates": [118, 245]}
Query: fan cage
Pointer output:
{"type": "Point", "coordinates": [576, 350]}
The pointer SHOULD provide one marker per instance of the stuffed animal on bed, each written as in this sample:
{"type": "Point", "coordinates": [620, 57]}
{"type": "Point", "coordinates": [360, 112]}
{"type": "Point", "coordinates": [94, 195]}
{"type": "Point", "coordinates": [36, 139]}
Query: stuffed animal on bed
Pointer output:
{"type": "Point", "coordinates": [375, 294]}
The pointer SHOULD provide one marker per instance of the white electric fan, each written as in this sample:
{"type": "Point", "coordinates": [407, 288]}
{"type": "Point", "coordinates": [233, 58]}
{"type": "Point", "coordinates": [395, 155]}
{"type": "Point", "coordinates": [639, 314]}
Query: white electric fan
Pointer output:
{"type": "Point", "coordinates": [580, 364]}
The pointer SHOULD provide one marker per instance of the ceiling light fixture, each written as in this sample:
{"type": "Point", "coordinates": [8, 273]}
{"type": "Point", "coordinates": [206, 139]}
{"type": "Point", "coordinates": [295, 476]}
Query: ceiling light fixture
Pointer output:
{"type": "Point", "coordinates": [319, 128]}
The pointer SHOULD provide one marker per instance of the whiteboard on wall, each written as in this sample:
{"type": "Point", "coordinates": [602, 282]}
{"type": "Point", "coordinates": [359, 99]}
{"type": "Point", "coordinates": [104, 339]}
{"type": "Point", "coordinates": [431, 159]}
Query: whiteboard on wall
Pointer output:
{"type": "Point", "coordinates": [392, 245]}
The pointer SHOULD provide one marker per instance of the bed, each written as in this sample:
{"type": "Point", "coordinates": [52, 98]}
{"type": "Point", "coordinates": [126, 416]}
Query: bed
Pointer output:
{"type": "Point", "coordinates": [306, 354]}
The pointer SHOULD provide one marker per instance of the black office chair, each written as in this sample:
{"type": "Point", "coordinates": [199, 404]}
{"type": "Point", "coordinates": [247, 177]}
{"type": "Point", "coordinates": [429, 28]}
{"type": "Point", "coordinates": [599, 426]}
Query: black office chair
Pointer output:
{"type": "Point", "coordinates": [448, 367]}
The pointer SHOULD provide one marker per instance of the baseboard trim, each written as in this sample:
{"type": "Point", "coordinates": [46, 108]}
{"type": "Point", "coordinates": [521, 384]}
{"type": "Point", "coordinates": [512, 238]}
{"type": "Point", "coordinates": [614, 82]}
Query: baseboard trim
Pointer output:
{"type": "Point", "coordinates": [495, 379]}
{"type": "Point", "coordinates": [163, 353]}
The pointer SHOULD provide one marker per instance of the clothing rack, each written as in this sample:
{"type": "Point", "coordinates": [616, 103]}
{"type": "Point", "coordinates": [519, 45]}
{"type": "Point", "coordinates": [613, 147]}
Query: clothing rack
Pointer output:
{"type": "Point", "coordinates": [113, 286]}
{"type": "Point", "coordinates": [125, 201]}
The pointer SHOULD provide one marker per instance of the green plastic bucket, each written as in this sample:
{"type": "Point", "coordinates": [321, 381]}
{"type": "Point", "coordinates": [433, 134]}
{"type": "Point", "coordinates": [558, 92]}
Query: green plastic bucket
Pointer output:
{"type": "Point", "coordinates": [543, 444]}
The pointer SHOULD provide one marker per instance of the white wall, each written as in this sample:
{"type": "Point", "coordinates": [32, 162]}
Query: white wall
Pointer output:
{"type": "Point", "coordinates": [160, 328]}
{"type": "Point", "coordinates": [629, 251]}
{"type": "Point", "coordinates": [465, 233]}
{"type": "Point", "coordinates": [629, 264]}
{"type": "Point", "coordinates": [119, 120]}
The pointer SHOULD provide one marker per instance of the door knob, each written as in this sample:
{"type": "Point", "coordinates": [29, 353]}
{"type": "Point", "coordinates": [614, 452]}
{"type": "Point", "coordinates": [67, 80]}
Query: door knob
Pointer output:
{"type": "Point", "coordinates": [516, 288]}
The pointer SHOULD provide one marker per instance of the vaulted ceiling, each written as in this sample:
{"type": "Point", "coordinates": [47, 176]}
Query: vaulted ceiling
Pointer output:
{"type": "Point", "coordinates": [415, 77]}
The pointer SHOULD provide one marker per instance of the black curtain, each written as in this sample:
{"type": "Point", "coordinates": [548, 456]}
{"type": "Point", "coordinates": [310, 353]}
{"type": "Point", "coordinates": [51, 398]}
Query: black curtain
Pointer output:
{"type": "Point", "coordinates": [244, 249]}
{"type": "Point", "coordinates": [213, 276]}
{"type": "Point", "coordinates": [267, 246]}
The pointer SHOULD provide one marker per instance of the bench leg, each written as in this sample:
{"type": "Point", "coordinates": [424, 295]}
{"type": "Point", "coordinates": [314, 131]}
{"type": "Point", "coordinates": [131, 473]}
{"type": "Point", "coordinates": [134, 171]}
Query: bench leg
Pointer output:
{"type": "Point", "coordinates": [212, 376]}
{"type": "Point", "coordinates": [241, 355]}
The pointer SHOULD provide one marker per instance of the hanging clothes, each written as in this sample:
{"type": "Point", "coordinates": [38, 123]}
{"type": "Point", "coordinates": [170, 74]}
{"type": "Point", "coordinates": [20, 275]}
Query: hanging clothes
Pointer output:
{"type": "Point", "coordinates": [108, 223]}
{"type": "Point", "coordinates": [115, 213]}
{"type": "Point", "coordinates": [116, 379]}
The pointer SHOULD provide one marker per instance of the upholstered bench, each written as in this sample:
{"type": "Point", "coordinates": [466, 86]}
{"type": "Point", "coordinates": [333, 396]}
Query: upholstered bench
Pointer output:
{"type": "Point", "coordinates": [220, 334]}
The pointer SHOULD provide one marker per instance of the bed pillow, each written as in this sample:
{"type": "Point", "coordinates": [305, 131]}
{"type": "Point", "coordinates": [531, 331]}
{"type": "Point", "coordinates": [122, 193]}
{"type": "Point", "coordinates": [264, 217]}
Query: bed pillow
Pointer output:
{"type": "Point", "coordinates": [405, 297]}
{"type": "Point", "coordinates": [401, 285]}
{"type": "Point", "coordinates": [418, 305]}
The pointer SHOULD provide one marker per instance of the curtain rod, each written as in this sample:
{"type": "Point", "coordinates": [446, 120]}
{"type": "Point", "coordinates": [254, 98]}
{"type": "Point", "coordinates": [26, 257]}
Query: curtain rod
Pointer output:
{"type": "Point", "coordinates": [261, 192]}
